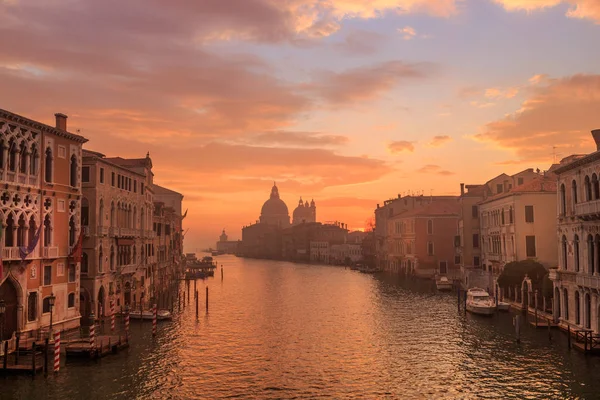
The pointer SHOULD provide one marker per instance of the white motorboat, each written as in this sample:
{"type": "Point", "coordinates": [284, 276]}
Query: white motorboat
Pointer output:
{"type": "Point", "coordinates": [443, 284]}
{"type": "Point", "coordinates": [161, 315]}
{"type": "Point", "coordinates": [480, 302]}
{"type": "Point", "coordinates": [503, 306]}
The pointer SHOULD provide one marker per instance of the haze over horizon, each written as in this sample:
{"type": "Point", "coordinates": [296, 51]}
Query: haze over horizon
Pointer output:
{"type": "Point", "coordinates": [347, 102]}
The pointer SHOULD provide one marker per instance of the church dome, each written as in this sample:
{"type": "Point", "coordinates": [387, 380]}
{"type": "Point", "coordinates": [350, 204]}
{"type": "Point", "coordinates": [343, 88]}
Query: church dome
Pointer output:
{"type": "Point", "coordinates": [275, 211]}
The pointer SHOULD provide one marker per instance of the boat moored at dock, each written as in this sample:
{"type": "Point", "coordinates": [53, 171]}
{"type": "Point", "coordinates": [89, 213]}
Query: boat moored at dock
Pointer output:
{"type": "Point", "coordinates": [480, 302]}
{"type": "Point", "coordinates": [442, 283]}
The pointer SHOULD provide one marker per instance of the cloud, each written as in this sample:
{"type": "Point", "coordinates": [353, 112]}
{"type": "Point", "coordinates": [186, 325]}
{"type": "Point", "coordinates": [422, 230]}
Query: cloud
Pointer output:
{"type": "Point", "coordinates": [360, 42]}
{"type": "Point", "coordinates": [481, 104]}
{"type": "Point", "coordinates": [365, 83]}
{"type": "Point", "coordinates": [585, 9]}
{"type": "Point", "coordinates": [439, 141]}
{"type": "Point", "coordinates": [499, 93]}
{"type": "Point", "coordinates": [537, 79]}
{"type": "Point", "coordinates": [407, 32]}
{"type": "Point", "coordinates": [559, 113]}
{"type": "Point", "coordinates": [400, 146]}
{"type": "Point", "coordinates": [434, 169]}
{"type": "Point", "coordinates": [290, 138]}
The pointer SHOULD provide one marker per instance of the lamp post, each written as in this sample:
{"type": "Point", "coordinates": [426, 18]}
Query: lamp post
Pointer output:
{"type": "Point", "coordinates": [2, 312]}
{"type": "Point", "coordinates": [51, 300]}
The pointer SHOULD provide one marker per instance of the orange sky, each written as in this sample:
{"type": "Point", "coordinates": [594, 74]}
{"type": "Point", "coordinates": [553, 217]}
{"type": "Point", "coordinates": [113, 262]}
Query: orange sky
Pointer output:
{"type": "Point", "coordinates": [347, 102]}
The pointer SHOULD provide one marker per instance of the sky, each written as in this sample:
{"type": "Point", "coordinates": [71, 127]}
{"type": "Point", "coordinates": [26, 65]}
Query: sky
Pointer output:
{"type": "Point", "coordinates": [347, 102]}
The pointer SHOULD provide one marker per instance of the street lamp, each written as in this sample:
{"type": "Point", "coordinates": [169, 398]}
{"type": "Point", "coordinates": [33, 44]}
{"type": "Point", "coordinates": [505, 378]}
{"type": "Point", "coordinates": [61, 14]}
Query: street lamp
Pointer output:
{"type": "Point", "coordinates": [51, 303]}
{"type": "Point", "coordinates": [2, 312]}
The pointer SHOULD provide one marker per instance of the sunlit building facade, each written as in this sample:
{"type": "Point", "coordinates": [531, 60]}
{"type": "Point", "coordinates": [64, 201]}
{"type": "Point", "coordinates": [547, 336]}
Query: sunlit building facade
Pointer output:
{"type": "Point", "coordinates": [40, 212]}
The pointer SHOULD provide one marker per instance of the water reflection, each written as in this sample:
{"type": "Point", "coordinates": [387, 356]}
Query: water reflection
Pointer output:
{"type": "Point", "coordinates": [280, 330]}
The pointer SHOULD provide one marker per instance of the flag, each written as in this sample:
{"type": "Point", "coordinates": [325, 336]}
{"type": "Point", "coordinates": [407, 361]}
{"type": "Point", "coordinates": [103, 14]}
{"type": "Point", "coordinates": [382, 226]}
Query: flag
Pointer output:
{"type": "Point", "coordinates": [76, 253]}
{"type": "Point", "coordinates": [184, 215]}
{"type": "Point", "coordinates": [25, 251]}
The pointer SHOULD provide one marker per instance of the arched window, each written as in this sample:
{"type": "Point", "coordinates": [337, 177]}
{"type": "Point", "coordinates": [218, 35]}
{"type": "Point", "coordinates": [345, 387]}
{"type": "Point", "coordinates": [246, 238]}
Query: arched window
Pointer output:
{"type": "Point", "coordinates": [587, 185]}
{"type": "Point", "coordinates": [595, 187]}
{"type": "Point", "coordinates": [2, 158]}
{"type": "Point", "coordinates": [563, 200]}
{"type": "Point", "coordinates": [84, 263]}
{"type": "Point", "coordinates": [47, 231]}
{"type": "Point", "coordinates": [23, 161]}
{"type": "Point", "coordinates": [134, 225]}
{"type": "Point", "coordinates": [134, 257]}
{"type": "Point", "coordinates": [71, 300]}
{"type": "Point", "coordinates": [100, 260]}
{"type": "Point", "coordinates": [510, 215]}
{"type": "Point", "coordinates": [574, 191]}
{"type": "Point", "coordinates": [21, 231]}
{"type": "Point", "coordinates": [597, 254]}
{"type": "Point", "coordinates": [566, 305]}
{"type": "Point", "coordinates": [112, 258]}
{"type": "Point", "coordinates": [48, 165]}
{"type": "Point", "coordinates": [563, 248]}
{"type": "Point", "coordinates": [73, 180]}
{"type": "Point", "coordinates": [430, 227]}
{"type": "Point", "coordinates": [12, 155]}
{"type": "Point", "coordinates": [590, 243]}
{"type": "Point", "coordinates": [32, 302]}
{"type": "Point", "coordinates": [112, 214]}
{"type": "Point", "coordinates": [576, 252]}
{"type": "Point", "coordinates": [577, 308]}
{"type": "Point", "coordinates": [101, 213]}
{"type": "Point", "coordinates": [32, 230]}
{"type": "Point", "coordinates": [34, 160]}
{"type": "Point", "coordinates": [142, 217]}
{"type": "Point", "coordinates": [72, 229]}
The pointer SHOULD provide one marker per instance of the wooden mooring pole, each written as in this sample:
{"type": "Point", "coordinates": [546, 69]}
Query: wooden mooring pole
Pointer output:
{"type": "Point", "coordinates": [196, 304]}
{"type": "Point", "coordinates": [207, 299]}
{"type": "Point", "coordinates": [46, 357]}
{"type": "Point", "coordinates": [518, 327]}
{"type": "Point", "coordinates": [569, 336]}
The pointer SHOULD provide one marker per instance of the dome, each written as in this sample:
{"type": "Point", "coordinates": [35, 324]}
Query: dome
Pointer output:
{"type": "Point", "coordinates": [274, 211]}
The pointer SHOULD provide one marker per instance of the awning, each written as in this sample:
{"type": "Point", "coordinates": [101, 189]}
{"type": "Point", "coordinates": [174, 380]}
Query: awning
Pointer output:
{"type": "Point", "coordinates": [125, 242]}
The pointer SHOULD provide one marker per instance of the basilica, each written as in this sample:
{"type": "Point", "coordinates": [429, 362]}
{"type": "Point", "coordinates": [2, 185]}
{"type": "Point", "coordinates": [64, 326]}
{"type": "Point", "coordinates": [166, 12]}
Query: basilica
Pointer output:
{"type": "Point", "coordinates": [275, 212]}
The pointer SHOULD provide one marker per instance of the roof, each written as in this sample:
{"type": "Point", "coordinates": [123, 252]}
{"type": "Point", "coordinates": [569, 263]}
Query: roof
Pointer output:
{"type": "Point", "coordinates": [541, 184]}
{"type": "Point", "coordinates": [132, 162]}
{"type": "Point", "coordinates": [100, 157]}
{"type": "Point", "coordinates": [436, 208]}
{"type": "Point", "coordinates": [163, 190]}
{"type": "Point", "coordinates": [572, 162]}
{"type": "Point", "coordinates": [42, 127]}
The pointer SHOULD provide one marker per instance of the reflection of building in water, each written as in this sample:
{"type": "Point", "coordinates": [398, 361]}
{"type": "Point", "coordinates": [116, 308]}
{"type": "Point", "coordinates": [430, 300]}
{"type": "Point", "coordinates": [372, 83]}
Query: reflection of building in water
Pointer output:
{"type": "Point", "coordinates": [305, 213]}
{"type": "Point", "coordinates": [227, 246]}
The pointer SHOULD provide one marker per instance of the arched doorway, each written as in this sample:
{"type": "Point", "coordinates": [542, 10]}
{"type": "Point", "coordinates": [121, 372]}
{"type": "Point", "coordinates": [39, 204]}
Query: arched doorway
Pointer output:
{"type": "Point", "coordinates": [8, 293]}
{"type": "Point", "coordinates": [101, 296]}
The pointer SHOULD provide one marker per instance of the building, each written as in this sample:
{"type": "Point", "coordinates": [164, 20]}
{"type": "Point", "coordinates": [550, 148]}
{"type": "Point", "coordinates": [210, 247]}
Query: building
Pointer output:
{"type": "Point", "coordinates": [468, 241]}
{"type": "Point", "coordinates": [305, 213]}
{"type": "Point", "coordinates": [118, 235]}
{"type": "Point", "coordinates": [427, 237]}
{"type": "Point", "coordinates": [226, 246]}
{"type": "Point", "coordinates": [345, 254]}
{"type": "Point", "coordinates": [274, 211]}
{"type": "Point", "coordinates": [40, 211]}
{"type": "Point", "coordinates": [319, 252]}
{"type": "Point", "coordinates": [261, 240]}
{"type": "Point", "coordinates": [577, 280]}
{"type": "Point", "coordinates": [168, 260]}
{"type": "Point", "coordinates": [172, 202]}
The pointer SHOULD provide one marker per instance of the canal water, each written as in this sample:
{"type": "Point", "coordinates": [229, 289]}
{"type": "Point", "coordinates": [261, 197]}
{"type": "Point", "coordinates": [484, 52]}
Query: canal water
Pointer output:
{"type": "Point", "coordinates": [277, 330]}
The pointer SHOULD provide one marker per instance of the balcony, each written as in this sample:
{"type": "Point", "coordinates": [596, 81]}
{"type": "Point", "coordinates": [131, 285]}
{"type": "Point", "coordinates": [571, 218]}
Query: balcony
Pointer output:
{"type": "Point", "coordinates": [102, 230]}
{"type": "Point", "coordinates": [50, 252]}
{"type": "Point", "coordinates": [590, 210]}
{"type": "Point", "coordinates": [562, 275]}
{"type": "Point", "coordinates": [588, 281]}
{"type": "Point", "coordinates": [113, 231]}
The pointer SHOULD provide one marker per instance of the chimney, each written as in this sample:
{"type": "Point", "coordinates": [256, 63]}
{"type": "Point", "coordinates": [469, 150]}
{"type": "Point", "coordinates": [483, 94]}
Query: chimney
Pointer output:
{"type": "Point", "coordinates": [596, 135]}
{"type": "Point", "coordinates": [61, 121]}
{"type": "Point", "coordinates": [462, 189]}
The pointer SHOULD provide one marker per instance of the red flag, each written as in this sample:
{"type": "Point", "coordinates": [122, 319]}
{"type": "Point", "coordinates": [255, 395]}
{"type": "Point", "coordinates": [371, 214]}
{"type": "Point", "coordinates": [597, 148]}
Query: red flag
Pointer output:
{"type": "Point", "coordinates": [77, 249]}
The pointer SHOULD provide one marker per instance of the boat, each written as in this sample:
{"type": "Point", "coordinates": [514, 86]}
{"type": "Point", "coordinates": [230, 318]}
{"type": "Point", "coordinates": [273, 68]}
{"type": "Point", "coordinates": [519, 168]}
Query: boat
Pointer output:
{"type": "Point", "coordinates": [161, 315]}
{"type": "Point", "coordinates": [503, 306]}
{"type": "Point", "coordinates": [480, 302]}
{"type": "Point", "coordinates": [443, 284]}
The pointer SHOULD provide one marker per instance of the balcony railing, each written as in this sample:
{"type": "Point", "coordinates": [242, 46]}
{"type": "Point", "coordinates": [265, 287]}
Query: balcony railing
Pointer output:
{"type": "Point", "coordinates": [562, 275]}
{"type": "Point", "coordinates": [588, 281]}
{"type": "Point", "coordinates": [102, 230]}
{"type": "Point", "coordinates": [113, 231]}
{"type": "Point", "coordinates": [50, 252]}
{"type": "Point", "coordinates": [589, 208]}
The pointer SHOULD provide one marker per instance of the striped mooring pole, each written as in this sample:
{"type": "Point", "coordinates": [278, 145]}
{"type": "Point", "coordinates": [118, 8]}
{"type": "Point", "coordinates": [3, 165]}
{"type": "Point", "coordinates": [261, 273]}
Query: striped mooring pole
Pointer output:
{"type": "Point", "coordinates": [56, 351]}
{"type": "Point", "coordinates": [112, 316]}
{"type": "Point", "coordinates": [127, 325]}
{"type": "Point", "coordinates": [93, 336]}
{"type": "Point", "coordinates": [154, 319]}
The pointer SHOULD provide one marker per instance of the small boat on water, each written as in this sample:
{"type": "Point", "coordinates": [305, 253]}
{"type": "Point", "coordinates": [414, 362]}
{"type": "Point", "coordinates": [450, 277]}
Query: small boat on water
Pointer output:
{"type": "Point", "coordinates": [503, 306]}
{"type": "Point", "coordinates": [480, 302]}
{"type": "Point", "coordinates": [443, 284]}
{"type": "Point", "coordinates": [161, 315]}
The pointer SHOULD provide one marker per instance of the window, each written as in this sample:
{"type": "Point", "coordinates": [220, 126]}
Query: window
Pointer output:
{"type": "Point", "coordinates": [429, 248]}
{"type": "Point", "coordinates": [502, 216]}
{"type": "Point", "coordinates": [112, 179]}
{"type": "Point", "coordinates": [48, 166]}
{"type": "Point", "coordinates": [101, 175]}
{"type": "Point", "coordinates": [73, 174]}
{"type": "Point", "coordinates": [499, 188]}
{"type": "Point", "coordinates": [456, 260]}
{"type": "Point", "coordinates": [85, 174]}
{"type": "Point", "coordinates": [134, 186]}
{"type": "Point", "coordinates": [530, 246]}
{"type": "Point", "coordinates": [46, 305]}
{"type": "Point", "coordinates": [510, 215]}
{"type": "Point", "coordinates": [476, 240]}
{"type": "Point", "coordinates": [528, 213]}
{"type": "Point", "coordinates": [519, 181]}
{"type": "Point", "coordinates": [119, 181]}
{"type": "Point", "coordinates": [62, 152]}
{"type": "Point", "coordinates": [574, 191]}
{"type": "Point", "coordinates": [429, 227]}
{"type": "Point", "coordinates": [72, 269]}
{"type": "Point", "coordinates": [84, 263]}
{"type": "Point", "coordinates": [475, 212]}
{"type": "Point", "coordinates": [443, 267]}
{"type": "Point", "coordinates": [476, 261]}
{"type": "Point", "coordinates": [142, 187]}
{"type": "Point", "coordinates": [576, 252]}
{"type": "Point", "coordinates": [32, 302]}
{"type": "Point", "coordinates": [563, 200]}
{"type": "Point", "coordinates": [71, 300]}
{"type": "Point", "coordinates": [47, 275]}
